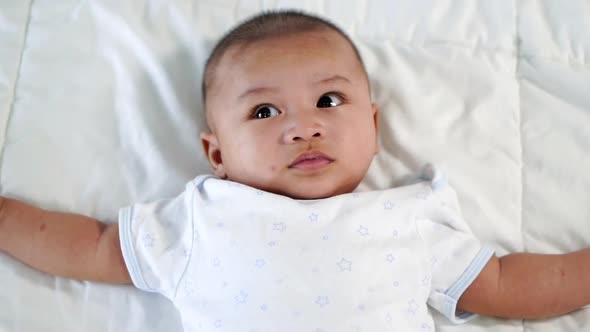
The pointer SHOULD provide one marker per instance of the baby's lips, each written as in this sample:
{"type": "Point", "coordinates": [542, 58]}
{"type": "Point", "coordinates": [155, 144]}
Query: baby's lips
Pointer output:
{"type": "Point", "coordinates": [311, 158]}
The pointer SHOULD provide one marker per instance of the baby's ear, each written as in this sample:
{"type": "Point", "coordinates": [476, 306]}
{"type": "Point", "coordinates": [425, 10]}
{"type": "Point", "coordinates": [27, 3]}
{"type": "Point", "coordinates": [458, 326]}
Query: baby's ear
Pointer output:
{"type": "Point", "coordinates": [210, 145]}
{"type": "Point", "coordinates": [375, 108]}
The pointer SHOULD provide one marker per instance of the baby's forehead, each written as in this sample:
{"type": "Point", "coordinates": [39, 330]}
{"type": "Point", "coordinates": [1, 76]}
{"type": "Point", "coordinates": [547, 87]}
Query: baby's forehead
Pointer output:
{"type": "Point", "coordinates": [303, 47]}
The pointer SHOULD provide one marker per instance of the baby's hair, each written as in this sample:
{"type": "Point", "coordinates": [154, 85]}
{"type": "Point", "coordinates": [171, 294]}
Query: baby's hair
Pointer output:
{"type": "Point", "coordinates": [268, 25]}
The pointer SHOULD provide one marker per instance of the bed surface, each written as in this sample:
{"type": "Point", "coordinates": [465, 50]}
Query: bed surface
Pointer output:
{"type": "Point", "coordinates": [100, 107]}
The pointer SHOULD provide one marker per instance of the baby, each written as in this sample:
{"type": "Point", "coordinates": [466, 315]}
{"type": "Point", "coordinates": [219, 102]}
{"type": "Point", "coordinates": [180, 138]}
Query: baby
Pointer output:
{"type": "Point", "coordinates": [277, 240]}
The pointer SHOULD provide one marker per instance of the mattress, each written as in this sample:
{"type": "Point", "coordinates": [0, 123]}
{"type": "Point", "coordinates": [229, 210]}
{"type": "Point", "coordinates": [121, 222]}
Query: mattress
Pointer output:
{"type": "Point", "coordinates": [100, 107]}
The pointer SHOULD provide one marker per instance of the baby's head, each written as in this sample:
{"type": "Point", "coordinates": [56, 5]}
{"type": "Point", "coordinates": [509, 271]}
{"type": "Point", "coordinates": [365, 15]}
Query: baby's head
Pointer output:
{"type": "Point", "coordinates": [288, 105]}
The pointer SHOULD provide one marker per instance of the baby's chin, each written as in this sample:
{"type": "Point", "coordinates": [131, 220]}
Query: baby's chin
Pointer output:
{"type": "Point", "coordinates": [311, 193]}
{"type": "Point", "coordinates": [304, 189]}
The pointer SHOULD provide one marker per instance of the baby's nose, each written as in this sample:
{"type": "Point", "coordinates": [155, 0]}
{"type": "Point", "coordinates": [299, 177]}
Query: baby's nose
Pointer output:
{"type": "Point", "coordinates": [303, 131]}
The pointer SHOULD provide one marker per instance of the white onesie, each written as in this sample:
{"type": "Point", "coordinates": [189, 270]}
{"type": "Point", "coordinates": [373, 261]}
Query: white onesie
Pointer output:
{"type": "Point", "coordinates": [234, 258]}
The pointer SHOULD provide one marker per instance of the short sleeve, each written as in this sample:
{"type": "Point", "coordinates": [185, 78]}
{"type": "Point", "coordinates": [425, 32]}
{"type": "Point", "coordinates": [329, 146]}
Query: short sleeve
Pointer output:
{"type": "Point", "coordinates": [456, 255]}
{"type": "Point", "coordinates": [157, 240]}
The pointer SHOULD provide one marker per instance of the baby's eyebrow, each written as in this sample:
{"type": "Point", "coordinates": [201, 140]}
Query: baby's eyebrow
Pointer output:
{"type": "Point", "coordinates": [333, 79]}
{"type": "Point", "coordinates": [265, 89]}
{"type": "Point", "coordinates": [256, 90]}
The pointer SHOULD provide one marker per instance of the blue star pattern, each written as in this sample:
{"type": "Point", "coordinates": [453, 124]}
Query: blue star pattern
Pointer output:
{"type": "Point", "coordinates": [148, 240]}
{"type": "Point", "coordinates": [287, 249]}
{"type": "Point", "coordinates": [426, 327]}
{"type": "Point", "coordinates": [390, 258]}
{"type": "Point", "coordinates": [364, 231]}
{"type": "Point", "coordinates": [242, 297]}
{"type": "Point", "coordinates": [388, 205]}
{"type": "Point", "coordinates": [322, 301]}
{"type": "Point", "coordinates": [279, 226]}
{"type": "Point", "coordinates": [388, 318]}
{"type": "Point", "coordinates": [216, 262]}
{"type": "Point", "coordinates": [313, 217]}
{"type": "Point", "coordinates": [344, 265]}
{"type": "Point", "coordinates": [189, 288]}
{"type": "Point", "coordinates": [260, 263]}
{"type": "Point", "coordinates": [412, 307]}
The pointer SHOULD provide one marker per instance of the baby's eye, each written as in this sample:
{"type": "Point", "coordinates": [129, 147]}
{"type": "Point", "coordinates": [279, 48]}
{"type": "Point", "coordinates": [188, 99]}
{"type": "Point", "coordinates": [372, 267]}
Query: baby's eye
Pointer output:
{"type": "Point", "coordinates": [329, 100]}
{"type": "Point", "coordinates": [265, 111]}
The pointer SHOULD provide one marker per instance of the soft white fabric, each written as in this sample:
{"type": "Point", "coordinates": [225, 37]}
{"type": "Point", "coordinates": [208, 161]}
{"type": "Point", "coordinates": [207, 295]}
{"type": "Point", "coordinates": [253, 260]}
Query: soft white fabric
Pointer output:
{"type": "Point", "coordinates": [100, 108]}
{"type": "Point", "coordinates": [234, 258]}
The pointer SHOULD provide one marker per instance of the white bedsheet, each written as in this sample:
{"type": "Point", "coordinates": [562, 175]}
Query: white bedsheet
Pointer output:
{"type": "Point", "coordinates": [100, 106]}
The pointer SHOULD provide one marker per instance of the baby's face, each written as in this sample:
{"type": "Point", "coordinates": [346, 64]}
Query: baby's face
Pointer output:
{"type": "Point", "coordinates": [292, 115]}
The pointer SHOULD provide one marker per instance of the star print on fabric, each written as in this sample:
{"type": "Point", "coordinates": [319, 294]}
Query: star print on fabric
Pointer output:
{"type": "Point", "coordinates": [325, 237]}
{"type": "Point", "coordinates": [148, 240]}
{"type": "Point", "coordinates": [263, 307]}
{"type": "Point", "coordinates": [425, 281]}
{"type": "Point", "coordinates": [364, 231]}
{"type": "Point", "coordinates": [186, 253]}
{"type": "Point", "coordinates": [318, 330]}
{"type": "Point", "coordinates": [189, 288]}
{"type": "Point", "coordinates": [219, 224]}
{"type": "Point", "coordinates": [426, 327]}
{"type": "Point", "coordinates": [412, 307]}
{"type": "Point", "coordinates": [313, 217]}
{"type": "Point", "coordinates": [260, 263]}
{"type": "Point", "coordinates": [344, 265]}
{"type": "Point", "coordinates": [390, 258]}
{"type": "Point", "coordinates": [388, 205]}
{"type": "Point", "coordinates": [242, 297]}
{"type": "Point", "coordinates": [279, 226]}
{"type": "Point", "coordinates": [322, 301]}
{"type": "Point", "coordinates": [433, 261]}
{"type": "Point", "coordinates": [259, 192]}
{"type": "Point", "coordinates": [272, 244]}
{"type": "Point", "coordinates": [361, 307]}
{"type": "Point", "coordinates": [388, 318]}
{"type": "Point", "coordinates": [395, 233]}
{"type": "Point", "coordinates": [216, 262]}
{"type": "Point", "coordinates": [218, 323]}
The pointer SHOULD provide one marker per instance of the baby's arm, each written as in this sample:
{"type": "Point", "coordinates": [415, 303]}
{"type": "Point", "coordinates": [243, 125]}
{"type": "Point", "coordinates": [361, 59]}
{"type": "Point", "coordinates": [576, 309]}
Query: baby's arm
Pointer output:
{"type": "Point", "coordinates": [62, 244]}
{"type": "Point", "coordinates": [530, 286]}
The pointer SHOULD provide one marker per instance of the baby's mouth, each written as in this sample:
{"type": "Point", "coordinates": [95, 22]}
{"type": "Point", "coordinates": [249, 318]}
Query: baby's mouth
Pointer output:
{"type": "Point", "coordinates": [311, 160]}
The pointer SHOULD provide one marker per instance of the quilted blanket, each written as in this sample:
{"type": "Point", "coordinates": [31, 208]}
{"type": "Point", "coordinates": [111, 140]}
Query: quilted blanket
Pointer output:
{"type": "Point", "coordinates": [100, 107]}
